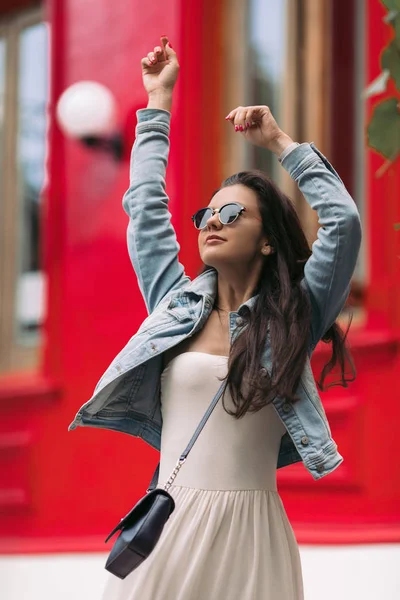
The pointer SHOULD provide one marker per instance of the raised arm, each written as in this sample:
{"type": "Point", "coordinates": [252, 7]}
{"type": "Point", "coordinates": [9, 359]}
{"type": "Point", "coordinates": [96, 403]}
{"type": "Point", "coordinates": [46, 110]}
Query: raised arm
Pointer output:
{"type": "Point", "coordinates": [152, 244]}
{"type": "Point", "coordinates": [328, 271]}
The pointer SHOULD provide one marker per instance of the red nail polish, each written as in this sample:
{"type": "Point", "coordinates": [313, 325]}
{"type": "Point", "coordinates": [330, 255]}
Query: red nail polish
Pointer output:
{"type": "Point", "coordinates": [236, 128]}
{"type": "Point", "coordinates": [169, 44]}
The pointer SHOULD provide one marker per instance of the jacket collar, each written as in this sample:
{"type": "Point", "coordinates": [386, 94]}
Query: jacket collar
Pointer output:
{"type": "Point", "coordinates": [205, 284]}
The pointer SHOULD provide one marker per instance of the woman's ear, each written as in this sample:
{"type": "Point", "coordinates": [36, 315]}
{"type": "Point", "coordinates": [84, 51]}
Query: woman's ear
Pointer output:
{"type": "Point", "coordinates": [267, 249]}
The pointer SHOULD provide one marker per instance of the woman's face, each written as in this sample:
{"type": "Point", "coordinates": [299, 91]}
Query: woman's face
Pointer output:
{"type": "Point", "coordinates": [240, 242]}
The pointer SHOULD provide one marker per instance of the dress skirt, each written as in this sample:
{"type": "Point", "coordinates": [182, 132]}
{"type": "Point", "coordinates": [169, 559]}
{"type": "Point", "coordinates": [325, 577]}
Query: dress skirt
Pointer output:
{"type": "Point", "coordinates": [229, 537]}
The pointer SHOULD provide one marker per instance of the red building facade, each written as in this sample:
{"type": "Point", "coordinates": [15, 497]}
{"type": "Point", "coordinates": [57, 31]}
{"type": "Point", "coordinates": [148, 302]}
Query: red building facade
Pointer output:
{"type": "Point", "coordinates": [63, 491]}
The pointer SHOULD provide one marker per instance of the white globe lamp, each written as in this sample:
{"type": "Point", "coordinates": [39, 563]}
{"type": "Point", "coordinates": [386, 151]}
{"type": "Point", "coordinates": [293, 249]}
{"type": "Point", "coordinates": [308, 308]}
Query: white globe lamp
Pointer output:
{"type": "Point", "coordinates": [87, 111]}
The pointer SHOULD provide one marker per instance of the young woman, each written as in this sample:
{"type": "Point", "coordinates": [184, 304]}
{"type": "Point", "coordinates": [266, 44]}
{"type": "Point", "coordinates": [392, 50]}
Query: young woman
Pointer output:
{"type": "Point", "coordinates": [254, 316]}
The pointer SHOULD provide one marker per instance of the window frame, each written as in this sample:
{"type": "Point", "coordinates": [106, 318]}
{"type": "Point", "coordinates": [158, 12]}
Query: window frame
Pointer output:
{"type": "Point", "coordinates": [14, 356]}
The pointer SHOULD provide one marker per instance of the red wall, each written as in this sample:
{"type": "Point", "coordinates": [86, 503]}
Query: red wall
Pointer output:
{"type": "Point", "coordinates": [64, 491]}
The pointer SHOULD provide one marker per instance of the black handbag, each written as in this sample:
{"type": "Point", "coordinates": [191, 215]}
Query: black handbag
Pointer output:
{"type": "Point", "coordinates": [142, 526]}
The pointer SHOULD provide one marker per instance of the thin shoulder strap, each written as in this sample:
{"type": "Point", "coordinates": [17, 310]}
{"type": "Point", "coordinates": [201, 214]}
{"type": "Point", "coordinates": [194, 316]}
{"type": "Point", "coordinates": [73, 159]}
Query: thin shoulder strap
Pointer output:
{"type": "Point", "coordinates": [154, 479]}
{"type": "Point", "coordinates": [184, 455]}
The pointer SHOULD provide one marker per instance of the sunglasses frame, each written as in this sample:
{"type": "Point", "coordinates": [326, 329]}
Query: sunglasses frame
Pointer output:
{"type": "Point", "coordinates": [218, 211]}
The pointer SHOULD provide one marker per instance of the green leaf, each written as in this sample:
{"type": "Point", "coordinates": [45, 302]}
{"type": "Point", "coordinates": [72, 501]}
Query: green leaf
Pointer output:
{"type": "Point", "coordinates": [383, 131]}
{"type": "Point", "coordinates": [397, 226]}
{"type": "Point", "coordinates": [391, 60]}
{"type": "Point", "coordinates": [391, 4]}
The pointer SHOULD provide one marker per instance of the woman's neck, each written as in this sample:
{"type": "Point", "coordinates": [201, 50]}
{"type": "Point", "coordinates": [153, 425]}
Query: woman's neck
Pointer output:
{"type": "Point", "coordinates": [232, 292]}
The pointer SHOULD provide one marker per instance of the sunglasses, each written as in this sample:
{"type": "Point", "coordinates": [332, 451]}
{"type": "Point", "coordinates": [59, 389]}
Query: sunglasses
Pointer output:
{"type": "Point", "coordinates": [227, 214]}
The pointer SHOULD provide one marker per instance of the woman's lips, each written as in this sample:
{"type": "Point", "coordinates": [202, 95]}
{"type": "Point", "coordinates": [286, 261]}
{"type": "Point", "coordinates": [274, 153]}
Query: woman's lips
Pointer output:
{"type": "Point", "coordinates": [214, 241]}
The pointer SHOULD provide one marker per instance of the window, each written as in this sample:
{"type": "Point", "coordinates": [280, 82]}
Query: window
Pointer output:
{"type": "Point", "coordinates": [304, 59]}
{"type": "Point", "coordinates": [266, 68]}
{"type": "Point", "coordinates": [23, 119]}
{"type": "Point", "coordinates": [348, 113]}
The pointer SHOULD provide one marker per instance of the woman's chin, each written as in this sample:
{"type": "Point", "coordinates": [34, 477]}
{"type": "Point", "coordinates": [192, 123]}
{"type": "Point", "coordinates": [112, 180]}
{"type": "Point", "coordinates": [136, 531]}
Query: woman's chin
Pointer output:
{"type": "Point", "coordinates": [210, 256]}
{"type": "Point", "coordinates": [214, 259]}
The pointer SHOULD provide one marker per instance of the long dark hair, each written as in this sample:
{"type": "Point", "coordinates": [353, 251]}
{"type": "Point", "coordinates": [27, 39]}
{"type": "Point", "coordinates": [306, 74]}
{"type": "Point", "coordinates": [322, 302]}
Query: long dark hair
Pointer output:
{"type": "Point", "coordinates": [281, 312]}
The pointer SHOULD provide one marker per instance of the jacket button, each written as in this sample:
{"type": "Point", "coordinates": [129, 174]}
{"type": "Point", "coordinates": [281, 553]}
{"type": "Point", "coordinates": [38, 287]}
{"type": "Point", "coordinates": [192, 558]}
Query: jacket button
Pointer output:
{"type": "Point", "coordinates": [320, 468]}
{"type": "Point", "coordinates": [239, 321]}
{"type": "Point", "coordinates": [263, 372]}
{"type": "Point", "coordinates": [304, 440]}
{"type": "Point", "coordinates": [286, 407]}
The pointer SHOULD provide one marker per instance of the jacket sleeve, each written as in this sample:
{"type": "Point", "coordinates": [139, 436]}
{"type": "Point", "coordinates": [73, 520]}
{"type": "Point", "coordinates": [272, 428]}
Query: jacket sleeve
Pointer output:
{"type": "Point", "coordinates": [152, 243]}
{"type": "Point", "coordinates": [328, 271]}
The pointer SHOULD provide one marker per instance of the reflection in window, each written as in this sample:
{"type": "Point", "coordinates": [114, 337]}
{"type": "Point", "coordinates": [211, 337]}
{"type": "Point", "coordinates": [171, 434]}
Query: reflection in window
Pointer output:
{"type": "Point", "coordinates": [31, 135]}
{"type": "Point", "coordinates": [267, 42]}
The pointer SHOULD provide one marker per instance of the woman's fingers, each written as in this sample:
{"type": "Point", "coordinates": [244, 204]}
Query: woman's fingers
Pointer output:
{"type": "Point", "coordinates": [258, 125]}
{"type": "Point", "coordinates": [233, 117]}
{"type": "Point", "coordinates": [244, 117]}
{"type": "Point", "coordinates": [158, 55]}
{"type": "Point", "coordinates": [241, 118]}
{"type": "Point", "coordinates": [146, 62]}
{"type": "Point", "coordinates": [160, 68]}
{"type": "Point", "coordinates": [247, 119]}
{"type": "Point", "coordinates": [164, 42]}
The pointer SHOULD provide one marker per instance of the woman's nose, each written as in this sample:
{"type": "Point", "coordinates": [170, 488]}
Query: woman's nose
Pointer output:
{"type": "Point", "coordinates": [214, 222]}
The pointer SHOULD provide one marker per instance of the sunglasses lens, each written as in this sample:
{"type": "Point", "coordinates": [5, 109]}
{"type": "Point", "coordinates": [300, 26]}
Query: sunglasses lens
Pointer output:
{"type": "Point", "coordinates": [201, 217]}
{"type": "Point", "coordinates": [229, 213]}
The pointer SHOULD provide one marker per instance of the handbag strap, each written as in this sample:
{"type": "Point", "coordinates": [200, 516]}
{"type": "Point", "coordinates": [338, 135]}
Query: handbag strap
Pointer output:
{"type": "Point", "coordinates": [185, 453]}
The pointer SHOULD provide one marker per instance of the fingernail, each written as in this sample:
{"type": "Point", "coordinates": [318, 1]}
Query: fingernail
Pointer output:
{"type": "Point", "coordinates": [247, 124]}
{"type": "Point", "coordinates": [226, 118]}
{"type": "Point", "coordinates": [169, 44]}
{"type": "Point", "coordinates": [241, 128]}
{"type": "Point", "coordinates": [236, 128]}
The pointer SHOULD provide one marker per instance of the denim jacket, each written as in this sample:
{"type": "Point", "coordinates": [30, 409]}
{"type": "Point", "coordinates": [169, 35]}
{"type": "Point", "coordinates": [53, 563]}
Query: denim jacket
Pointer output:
{"type": "Point", "coordinates": [127, 397]}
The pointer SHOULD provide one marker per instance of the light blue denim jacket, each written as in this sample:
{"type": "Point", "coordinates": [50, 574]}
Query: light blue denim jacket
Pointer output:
{"type": "Point", "coordinates": [127, 397]}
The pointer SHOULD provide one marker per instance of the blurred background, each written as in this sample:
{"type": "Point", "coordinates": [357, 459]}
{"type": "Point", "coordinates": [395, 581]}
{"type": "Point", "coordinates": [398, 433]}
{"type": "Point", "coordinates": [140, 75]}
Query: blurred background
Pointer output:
{"type": "Point", "coordinates": [70, 86]}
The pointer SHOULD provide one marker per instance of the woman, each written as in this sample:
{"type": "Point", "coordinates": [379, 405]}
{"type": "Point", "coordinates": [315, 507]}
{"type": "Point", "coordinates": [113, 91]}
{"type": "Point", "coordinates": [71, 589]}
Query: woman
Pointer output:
{"type": "Point", "coordinates": [254, 315]}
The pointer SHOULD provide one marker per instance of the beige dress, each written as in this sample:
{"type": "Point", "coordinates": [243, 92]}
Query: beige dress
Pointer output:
{"type": "Point", "coordinates": [229, 537]}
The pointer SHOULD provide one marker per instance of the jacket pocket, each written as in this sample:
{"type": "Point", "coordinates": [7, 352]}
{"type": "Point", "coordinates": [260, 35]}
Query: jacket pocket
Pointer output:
{"type": "Point", "coordinates": [178, 311]}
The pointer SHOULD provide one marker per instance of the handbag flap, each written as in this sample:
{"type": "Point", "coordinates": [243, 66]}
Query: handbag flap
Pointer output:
{"type": "Point", "coordinates": [140, 509]}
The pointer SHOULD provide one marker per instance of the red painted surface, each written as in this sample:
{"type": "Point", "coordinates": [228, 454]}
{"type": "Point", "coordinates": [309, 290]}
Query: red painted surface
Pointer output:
{"type": "Point", "coordinates": [63, 491]}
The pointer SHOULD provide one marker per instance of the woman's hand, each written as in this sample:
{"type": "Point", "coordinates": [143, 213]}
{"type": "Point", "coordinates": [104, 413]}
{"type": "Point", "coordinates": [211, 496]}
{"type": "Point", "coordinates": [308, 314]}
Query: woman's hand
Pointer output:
{"type": "Point", "coordinates": [259, 127]}
{"type": "Point", "coordinates": [160, 70]}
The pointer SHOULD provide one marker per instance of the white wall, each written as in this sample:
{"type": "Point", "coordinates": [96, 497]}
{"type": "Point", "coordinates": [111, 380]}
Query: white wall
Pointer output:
{"type": "Point", "coordinates": [330, 573]}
